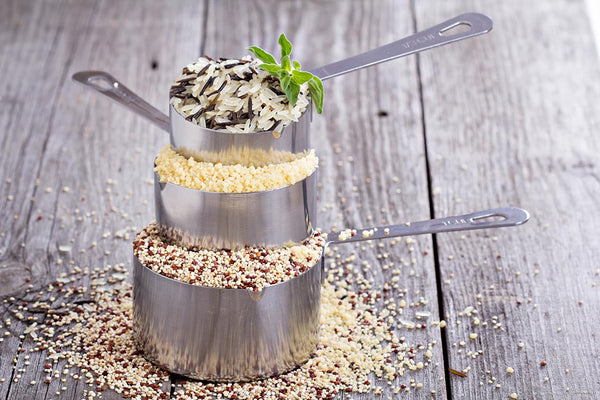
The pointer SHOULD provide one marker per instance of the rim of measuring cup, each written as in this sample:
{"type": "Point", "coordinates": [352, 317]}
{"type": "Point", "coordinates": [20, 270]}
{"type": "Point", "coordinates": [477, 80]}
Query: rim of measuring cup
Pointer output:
{"type": "Point", "coordinates": [197, 218]}
{"type": "Point", "coordinates": [251, 293]}
{"type": "Point", "coordinates": [294, 137]}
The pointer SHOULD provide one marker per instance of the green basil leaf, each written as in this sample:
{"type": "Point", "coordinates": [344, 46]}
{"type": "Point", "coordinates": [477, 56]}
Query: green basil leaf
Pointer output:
{"type": "Point", "coordinates": [262, 55]}
{"type": "Point", "coordinates": [286, 64]}
{"type": "Point", "coordinates": [290, 88]}
{"type": "Point", "coordinates": [272, 68]}
{"type": "Point", "coordinates": [315, 87]}
{"type": "Point", "coordinates": [294, 91]}
{"type": "Point", "coordinates": [289, 73]}
{"type": "Point", "coordinates": [286, 46]}
{"type": "Point", "coordinates": [285, 80]}
{"type": "Point", "coordinates": [301, 77]}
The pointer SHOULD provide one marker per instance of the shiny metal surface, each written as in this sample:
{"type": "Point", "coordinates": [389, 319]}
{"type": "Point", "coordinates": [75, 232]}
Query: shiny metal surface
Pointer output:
{"type": "Point", "coordinates": [106, 84]}
{"type": "Point", "coordinates": [295, 137]}
{"type": "Point", "coordinates": [225, 334]}
{"type": "Point", "coordinates": [493, 218]}
{"type": "Point", "coordinates": [232, 220]}
{"type": "Point", "coordinates": [238, 335]}
{"type": "Point", "coordinates": [474, 24]}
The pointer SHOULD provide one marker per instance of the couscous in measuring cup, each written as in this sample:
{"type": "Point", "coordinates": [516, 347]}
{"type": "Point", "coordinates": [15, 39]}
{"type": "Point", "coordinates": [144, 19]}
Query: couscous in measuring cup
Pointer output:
{"type": "Point", "coordinates": [189, 136]}
{"type": "Point", "coordinates": [230, 335]}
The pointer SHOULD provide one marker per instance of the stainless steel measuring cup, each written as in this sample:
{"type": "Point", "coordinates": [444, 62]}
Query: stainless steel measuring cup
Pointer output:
{"type": "Point", "coordinates": [239, 335]}
{"type": "Point", "coordinates": [295, 137]}
{"type": "Point", "coordinates": [195, 218]}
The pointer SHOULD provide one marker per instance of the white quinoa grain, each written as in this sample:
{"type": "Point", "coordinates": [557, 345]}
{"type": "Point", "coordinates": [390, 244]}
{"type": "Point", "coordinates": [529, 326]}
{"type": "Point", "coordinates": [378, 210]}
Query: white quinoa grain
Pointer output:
{"type": "Point", "coordinates": [346, 234]}
{"type": "Point", "coordinates": [250, 268]}
{"type": "Point", "coordinates": [359, 350]}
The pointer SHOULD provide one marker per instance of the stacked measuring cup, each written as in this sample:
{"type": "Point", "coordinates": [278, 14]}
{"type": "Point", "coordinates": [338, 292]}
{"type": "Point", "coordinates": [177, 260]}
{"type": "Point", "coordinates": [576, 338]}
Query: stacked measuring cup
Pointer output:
{"type": "Point", "coordinates": [231, 220]}
{"type": "Point", "coordinates": [215, 333]}
{"type": "Point", "coordinates": [234, 220]}
{"type": "Point", "coordinates": [234, 334]}
{"type": "Point", "coordinates": [231, 334]}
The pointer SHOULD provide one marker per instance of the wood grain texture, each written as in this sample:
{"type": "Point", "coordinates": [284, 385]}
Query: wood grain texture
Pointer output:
{"type": "Point", "coordinates": [86, 161]}
{"type": "Point", "coordinates": [372, 168]}
{"type": "Point", "coordinates": [505, 119]}
{"type": "Point", "coordinates": [511, 119]}
{"type": "Point", "coordinates": [88, 169]}
{"type": "Point", "coordinates": [92, 163]}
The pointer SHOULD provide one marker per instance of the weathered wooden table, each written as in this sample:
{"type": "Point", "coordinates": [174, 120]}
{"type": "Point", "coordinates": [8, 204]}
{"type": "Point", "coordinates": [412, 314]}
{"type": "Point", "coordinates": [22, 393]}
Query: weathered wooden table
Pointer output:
{"type": "Point", "coordinates": [509, 118]}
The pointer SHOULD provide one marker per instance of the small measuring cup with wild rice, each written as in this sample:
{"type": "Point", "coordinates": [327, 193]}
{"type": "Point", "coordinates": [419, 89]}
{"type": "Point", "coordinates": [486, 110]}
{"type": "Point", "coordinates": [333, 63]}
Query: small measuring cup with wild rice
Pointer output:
{"type": "Point", "coordinates": [237, 334]}
{"type": "Point", "coordinates": [190, 136]}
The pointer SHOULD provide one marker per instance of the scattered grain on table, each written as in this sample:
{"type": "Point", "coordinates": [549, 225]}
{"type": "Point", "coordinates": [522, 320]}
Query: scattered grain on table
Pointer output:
{"type": "Point", "coordinates": [86, 335]}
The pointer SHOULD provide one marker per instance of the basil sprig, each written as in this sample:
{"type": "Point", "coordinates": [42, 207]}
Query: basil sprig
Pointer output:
{"type": "Point", "coordinates": [289, 73]}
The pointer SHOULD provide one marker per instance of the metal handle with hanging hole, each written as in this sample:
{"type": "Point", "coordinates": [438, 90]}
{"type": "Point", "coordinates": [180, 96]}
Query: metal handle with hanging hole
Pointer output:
{"type": "Point", "coordinates": [106, 84]}
{"type": "Point", "coordinates": [494, 218]}
{"type": "Point", "coordinates": [438, 35]}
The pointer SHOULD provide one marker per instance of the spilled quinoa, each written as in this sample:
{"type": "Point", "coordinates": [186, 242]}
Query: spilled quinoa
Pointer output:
{"type": "Point", "coordinates": [354, 343]}
{"type": "Point", "coordinates": [91, 339]}
{"type": "Point", "coordinates": [176, 168]}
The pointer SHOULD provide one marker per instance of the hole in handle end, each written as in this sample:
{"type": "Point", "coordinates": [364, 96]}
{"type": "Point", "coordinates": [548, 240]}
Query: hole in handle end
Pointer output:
{"type": "Point", "coordinates": [507, 216]}
{"type": "Point", "coordinates": [480, 219]}
{"type": "Point", "coordinates": [456, 29]}
{"type": "Point", "coordinates": [103, 83]}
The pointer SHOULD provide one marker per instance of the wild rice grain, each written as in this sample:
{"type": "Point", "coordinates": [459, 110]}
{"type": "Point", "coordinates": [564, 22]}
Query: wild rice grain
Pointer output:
{"type": "Point", "coordinates": [267, 106]}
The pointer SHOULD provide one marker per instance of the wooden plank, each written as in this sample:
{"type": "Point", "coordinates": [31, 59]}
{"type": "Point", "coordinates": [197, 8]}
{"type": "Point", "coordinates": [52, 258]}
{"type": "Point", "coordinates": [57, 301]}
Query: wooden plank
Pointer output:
{"type": "Point", "coordinates": [85, 160]}
{"type": "Point", "coordinates": [369, 138]}
{"type": "Point", "coordinates": [56, 144]}
{"type": "Point", "coordinates": [8, 350]}
{"type": "Point", "coordinates": [510, 120]}
{"type": "Point", "coordinates": [35, 67]}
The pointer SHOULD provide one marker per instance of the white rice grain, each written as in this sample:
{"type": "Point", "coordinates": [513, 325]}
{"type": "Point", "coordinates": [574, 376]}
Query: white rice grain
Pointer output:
{"type": "Point", "coordinates": [226, 93]}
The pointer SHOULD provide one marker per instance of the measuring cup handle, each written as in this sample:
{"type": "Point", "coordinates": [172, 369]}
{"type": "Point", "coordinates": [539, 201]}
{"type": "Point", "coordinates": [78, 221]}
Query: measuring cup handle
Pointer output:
{"type": "Point", "coordinates": [438, 35]}
{"type": "Point", "coordinates": [494, 218]}
{"type": "Point", "coordinates": [105, 83]}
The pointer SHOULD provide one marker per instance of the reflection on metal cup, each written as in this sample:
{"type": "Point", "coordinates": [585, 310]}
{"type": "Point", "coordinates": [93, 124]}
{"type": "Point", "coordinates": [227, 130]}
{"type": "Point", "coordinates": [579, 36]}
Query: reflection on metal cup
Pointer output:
{"type": "Point", "coordinates": [226, 334]}
{"type": "Point", "coordinates": [293, 138]}
{"type": "Point", "coordinates": [195, 218]}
